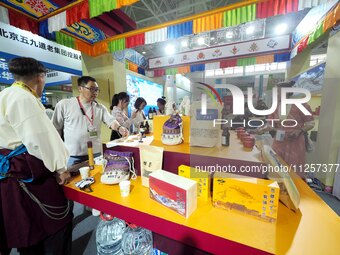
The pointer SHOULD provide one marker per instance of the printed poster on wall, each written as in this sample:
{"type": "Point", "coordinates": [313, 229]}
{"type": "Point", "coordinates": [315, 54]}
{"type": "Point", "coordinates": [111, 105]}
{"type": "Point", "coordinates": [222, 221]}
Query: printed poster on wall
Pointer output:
{"type": "Point", "coordinates": [137, 87]}
{"type": "Point", "coordinates": [311, 79]}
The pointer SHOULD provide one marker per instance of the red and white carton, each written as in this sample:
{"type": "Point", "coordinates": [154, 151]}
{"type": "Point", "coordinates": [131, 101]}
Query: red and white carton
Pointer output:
{"type": "Point", "coordinates": [173, 191]}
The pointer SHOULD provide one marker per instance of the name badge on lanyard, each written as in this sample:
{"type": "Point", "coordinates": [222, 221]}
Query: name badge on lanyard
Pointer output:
{"type": "Point", "coordinates": [280, 135]}
{"type": "Point", "coordinates": [91, 130]}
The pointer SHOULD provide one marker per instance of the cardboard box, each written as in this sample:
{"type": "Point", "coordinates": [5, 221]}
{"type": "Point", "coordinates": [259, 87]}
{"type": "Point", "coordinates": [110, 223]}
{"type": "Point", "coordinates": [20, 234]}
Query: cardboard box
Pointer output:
{"type": "Point", "coordinates": [173, 191]}
{"type": "Point", "coordinates": [251, 196]}
{"type": "Point", "coordinates": [203, 180]}
{"type": "Point", "coordinates": [158, 122]}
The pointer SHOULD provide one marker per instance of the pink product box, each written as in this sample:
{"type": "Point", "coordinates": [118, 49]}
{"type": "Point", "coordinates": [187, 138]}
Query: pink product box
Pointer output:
{"type": "Point", "coordinates": [173, 191]}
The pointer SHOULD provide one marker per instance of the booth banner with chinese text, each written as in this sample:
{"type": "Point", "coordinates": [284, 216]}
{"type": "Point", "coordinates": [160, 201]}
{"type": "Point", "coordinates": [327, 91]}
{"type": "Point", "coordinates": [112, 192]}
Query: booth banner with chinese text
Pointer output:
{"type": "Point", "coordinates": [53, 78]}
{"type": "Point", "coordinates": [274, 44]}
{"type": "Point", "coordinates": [17, 42]}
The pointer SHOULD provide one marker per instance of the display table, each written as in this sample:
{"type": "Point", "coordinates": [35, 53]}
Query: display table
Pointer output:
{"type": "Point", "coordinates": [234, 151]}
{"type": "Point", "coordinates": [314, 229]}
{"type": "Point", "coordinates": [176, 155]}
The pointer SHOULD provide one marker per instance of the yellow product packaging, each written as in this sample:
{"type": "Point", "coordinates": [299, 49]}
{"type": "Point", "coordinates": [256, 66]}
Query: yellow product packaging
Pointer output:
{"type": "Point", "coordinates": [203, 180]}
{"type": "Point", "coordinates": [251, 196]}
{"type": "Point", "coordinates": [289, 194]}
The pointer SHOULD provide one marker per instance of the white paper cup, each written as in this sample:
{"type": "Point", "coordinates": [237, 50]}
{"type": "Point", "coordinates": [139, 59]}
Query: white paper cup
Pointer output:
{"type": "Point", "coordinates": [100, 161]}
{"type": "Point", "coordinates": [95, 212]}
{"type": "Point", "coordinates": [124, 187]}
{"type": "Point", "coordinates": [84, 172]}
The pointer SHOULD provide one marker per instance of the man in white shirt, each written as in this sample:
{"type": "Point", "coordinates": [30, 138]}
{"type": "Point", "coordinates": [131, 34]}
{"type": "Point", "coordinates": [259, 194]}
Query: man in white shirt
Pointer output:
{"type": "Point", "coordinates": [35, 216]}
{"type": "Point", "coordinates": [78, 120]}
{"type": "Point", "coordinates": [49, 110]}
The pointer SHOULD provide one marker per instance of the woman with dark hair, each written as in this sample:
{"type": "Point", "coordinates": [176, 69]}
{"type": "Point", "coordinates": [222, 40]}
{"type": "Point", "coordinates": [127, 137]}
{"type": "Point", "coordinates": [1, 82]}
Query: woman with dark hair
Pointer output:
{"type": "Point", "coordinates": [118, 108]}
{"type": "Point", "coordinates": [138, 114]}
{"type": "Point", "coordinates": [161, 106]}
{"type": "Point", "coordinates": [35, 216]}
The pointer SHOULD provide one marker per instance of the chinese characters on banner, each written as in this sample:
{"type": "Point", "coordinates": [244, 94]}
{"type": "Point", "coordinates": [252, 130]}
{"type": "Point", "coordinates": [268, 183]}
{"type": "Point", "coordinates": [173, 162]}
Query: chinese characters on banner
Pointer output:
{"type": "Point", "coordinates": [17, 42]}
{"type": "Point", "coordinates": [5, 76]}
{"type": "Point", "coordinates": [53, 78]}
{"type": "Point", "coordinates": [261, 46]}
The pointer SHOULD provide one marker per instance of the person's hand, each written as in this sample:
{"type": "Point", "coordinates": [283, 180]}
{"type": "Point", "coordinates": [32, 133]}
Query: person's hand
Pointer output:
{"type": "Point", "coordinates": [63, 178]}
{"type": "Point", "coordinates": [293, 134]}
{"type": "Point", "coordinates": [123, 131]}
{"type": "Point", "coordinates": [134, 115]}
{"type": "Point", "coordinates": [115, 125]}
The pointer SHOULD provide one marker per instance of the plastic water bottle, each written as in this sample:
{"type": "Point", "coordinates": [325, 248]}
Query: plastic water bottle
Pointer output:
{"type": "Point", "coordinates": [109, 235]}
{"type": "Point", "coordinates": [137, 241]}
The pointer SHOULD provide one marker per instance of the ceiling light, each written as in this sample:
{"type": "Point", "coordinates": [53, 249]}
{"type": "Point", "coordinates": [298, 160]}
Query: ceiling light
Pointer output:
{"type": "Point", "coordinates": [200, 41]}
{"type": "Point", "coordinates": [48, 93]}
{"type": "Point", "coordinates": [281, 29]}
{"type": "Point", "coordinates": [229, 35]}
{"type": "Point", "coordinates": [212, 38]}
{"type": "Point", "coordinates": [250, 30]}
{"type": "Point", "coordinates": [2, 59]}
{"type": "Point", "coordinates": [184, 43]}
{"type": "Point", "coordinates": [144, 52]}
{"type": "Point", "coordinates": [169, 49]}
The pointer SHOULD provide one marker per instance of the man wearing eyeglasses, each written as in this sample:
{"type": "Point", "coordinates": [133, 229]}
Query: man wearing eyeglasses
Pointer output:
{"type": "Point", "coordinates": [78, 120]}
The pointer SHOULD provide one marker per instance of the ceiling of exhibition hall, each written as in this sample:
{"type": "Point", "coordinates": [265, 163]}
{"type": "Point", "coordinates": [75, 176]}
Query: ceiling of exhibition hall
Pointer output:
{"type": "Point", "coordinates": [139, 14]}
{"type": "Point", "coordinates": [264, 28]}
{"type": "Point", "coordinates": [151, 12]}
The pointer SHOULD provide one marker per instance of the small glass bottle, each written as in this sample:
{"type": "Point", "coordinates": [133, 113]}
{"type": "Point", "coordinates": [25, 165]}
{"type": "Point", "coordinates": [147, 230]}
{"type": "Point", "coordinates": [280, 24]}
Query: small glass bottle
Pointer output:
{"type": "Point", "coordinates": [90, 154]}
{"type": "Point", "coordinates": [141, 131]}
{"type": "Point", "coordinates": [150, 114]}
{"type": "Point", "coordinates": [147, 127]}
{"type": "Point", "coordinates": [225, 136]}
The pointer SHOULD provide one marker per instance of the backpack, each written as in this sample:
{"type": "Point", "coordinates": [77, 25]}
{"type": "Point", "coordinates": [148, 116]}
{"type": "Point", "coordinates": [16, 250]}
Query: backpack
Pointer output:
{"type": "Point", "coordinates": [173, 130]}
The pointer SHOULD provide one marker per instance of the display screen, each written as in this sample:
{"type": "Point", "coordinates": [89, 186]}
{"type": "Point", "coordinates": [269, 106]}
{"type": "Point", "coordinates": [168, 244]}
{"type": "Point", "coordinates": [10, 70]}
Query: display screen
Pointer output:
{"type": "Point", "coordinates": [150, 91]}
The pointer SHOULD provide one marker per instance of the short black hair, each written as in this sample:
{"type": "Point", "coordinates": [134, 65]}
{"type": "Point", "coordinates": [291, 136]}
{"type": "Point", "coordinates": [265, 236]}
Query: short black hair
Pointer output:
{"type": "Point", "coordinates": [82, 81]}
{"type": "Point", "coordinates": [25, 67]}
{"type": "Point", "coordinates": [139, 102]}
{"type": "Point", "coordinates": [48, 106]}
{"type": "Point", "coordinates": [161, 100]}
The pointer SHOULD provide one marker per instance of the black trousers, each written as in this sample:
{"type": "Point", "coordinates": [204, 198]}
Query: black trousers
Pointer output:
{"type": "Point", "coordinates": [58, 244]}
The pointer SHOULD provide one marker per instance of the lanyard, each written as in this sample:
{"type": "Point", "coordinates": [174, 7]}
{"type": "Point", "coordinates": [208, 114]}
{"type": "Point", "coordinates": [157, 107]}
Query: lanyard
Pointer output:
{"type": "Point", "coordinates": [84, 112]}
{"type": "Point", "coordinates": [26, 87]}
